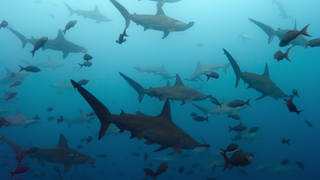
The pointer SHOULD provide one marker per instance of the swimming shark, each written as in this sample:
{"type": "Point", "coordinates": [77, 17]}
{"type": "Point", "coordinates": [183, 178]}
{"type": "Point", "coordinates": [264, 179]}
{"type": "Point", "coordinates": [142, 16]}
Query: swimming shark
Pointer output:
{"type": "Point", "coordinates": [246, 37]}
{"type": "Point", "coordinates": [299, 41]}
{"type": "Point", "coordinates": [18, 119]}
{"type": "Point", "coordinates": [207, 68]}
{"type": "Point", "coordinates": [61, 154]}
{"type": "Point", "coordinates": [261, 83]}
{"type": "Point", "coordinates": [63, 86]}
{"type": "Point", "coordinates": [59, 43]}
{"type": "Point", "coordinates": [224, 109]}
{"type": "Point", "coordinates": [159, 22]}
{"type": "Point", "coordinates": [283, 12]}
{"type": "Point", "coordinates": [13, 77]}
{"type": "Point", "coordinates": [250, 136]}
{"type": "Point", "coordinates": [156, 71]}
{"type": "Point", "coordinates": [81, 119]}
{"type": "Point", "coordinates": [155, 129]}
{"type": "Point", "coordinates": [175, 92]}
{"type": "Point", "coordinates": [49, 63]}
{"type": "Point", "coordinates": [95, 14]}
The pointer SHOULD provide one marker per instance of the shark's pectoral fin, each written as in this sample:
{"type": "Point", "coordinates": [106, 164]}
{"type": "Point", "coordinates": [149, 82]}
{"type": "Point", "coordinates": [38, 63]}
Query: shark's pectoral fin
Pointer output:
{"type": "Point", "coordinates": [176, 148]}
{"type": "Point", "coordinates": [185, 101]}
{"type": "Point", "coordinates": [162, 148]}
{"type": "Point", "coordinates": [67, 167]}
{"type": "Point", "coordinates": [65, 54]}
{"type": "Point", "coordinates": [166, 33]}
{"type": "Point", "coordinates": [145, 28]}
{"type": "Point", "coordinates": [262, 96]}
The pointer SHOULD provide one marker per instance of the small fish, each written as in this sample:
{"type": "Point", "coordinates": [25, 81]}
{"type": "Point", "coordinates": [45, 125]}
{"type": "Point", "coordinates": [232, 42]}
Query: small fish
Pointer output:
{"type": "Point", "coordinates": [49, 109]}
{"type": "Point", "coordinates": [101, 156]}
{"type": "Point", "coordinates": [30, 69]}
{"type": "Point", "coordinates": [15, 84]}
{"type": "Point", "coordinates": [51, 15]}
{"type": "Point", "coordinates": [212, 75]}
{"type": "Point", "coordinates": [36, 118]}
{"type": "Point", "coordinates": [308, 122]}
{"type": "Point", "coordinates": [136, 154]}
{"type": "Point", "coordinates": [239, 158]}
{"type": "Point", "coordinates": [69, 25]}
{"type": "Point", "coordinates": [254, 129]}
{"type": "Point", "coordinates": [300, 164]}
{"type": "Point", "coordinates": [279, 56]}
{"type": "Point", "coordinates": [5, 164]}
{"type": "Point", "coordinates": [20, 170]}
{"type": "Point", "coordinates": [87, 57]}
{"type": "Point", "coordinates": [313, 43]}
{"type": "Point", "coordinates": [291, 35]}
{"type": "Point", "coordinates": [3, 24]}
{"type": "Point", "coordinates": [121, 174]}
{"type": "Point", "coordinates": [80, 147]}
{"type": "Point", "coordinates": [285, 141]}
{"type": "Point", "coordinates": [215, 101]}
{"type": "Point", "coordinates": [233, 116]}
{"type": "Point", "coordinates": [285, 161]}
{"type": "Point", "coordinates": [121, 37]}
{"type": "Point", "coordinates": [60, 119]}
{"type": "Point", "coordinates": [295, 93]}
{"type": "Point", "coordinates": [85, 64]}
{"type": "Point", "coordinates": [39, 44]}
{"type": "Point", "coordinates": [140, 147]}
{"type": "Point", "coordinates": [145, 156]}
{"type": "Point", "coordinates": [10, 95]}
{"type": "Point", "coordinates": [200, 118]}
{"type": "Point", "coordinates": [291, 106]}
{"type": "Point", "coordinates": [238, 103]}
{"type": "Point", "coordinates": [193, 114]}
{"type": "Point", "coordinates": [230, 148]}
{"type": "Point", "coordinates": [113, 163]}
{"type": "Point", "coordinates": [83, 82]}
{"type": "Point", "coordinates": [181, 169]}
{"type": "Point", "coordinates": [50, 118]}
{"type": "Point", "coordinates": [162, 168]}
{"type": "Point", "coordinates": [238, 128]}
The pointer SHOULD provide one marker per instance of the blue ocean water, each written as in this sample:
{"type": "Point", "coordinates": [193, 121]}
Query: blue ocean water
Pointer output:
{"type": "Point", "coordinates": [217, 25]}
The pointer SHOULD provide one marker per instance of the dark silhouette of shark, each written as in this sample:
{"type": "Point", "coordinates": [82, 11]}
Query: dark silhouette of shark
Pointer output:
{"type": "Point", "coordinates": [155, 129]}
{"type": "Point", "coordinates": [261, 83]}
{"type": "Point", "coordinates": [283, 12]}
{"type": "Point", "coordinates": [175, 92]}
{"type": "Point", "coordinates": [59, 43]}
{"type": "Point", "coordinates": [159, 22]}
{"type": "Point", "coordinates": [155, 70]}
{"type": "Point", "coordinates": [299, 41]}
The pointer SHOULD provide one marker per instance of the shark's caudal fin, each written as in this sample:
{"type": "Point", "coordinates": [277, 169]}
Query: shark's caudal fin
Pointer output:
{"type": "Point", "coordinates": [267, 29]}
{"type": "Point", "coordinates": [20, 36]}
{"type": "Point", "coordinates": [235, 66]}
{"type": "Point", "coordinates": [204, 110]}
{"type": "Point", "coordinates": [101, 110]}
{"type": "Point", "coordinates": [136, 86]}
{"type": "Point", "coordinates": [69, 8]}
{"type": "Point", "coordinates": [123, 11]}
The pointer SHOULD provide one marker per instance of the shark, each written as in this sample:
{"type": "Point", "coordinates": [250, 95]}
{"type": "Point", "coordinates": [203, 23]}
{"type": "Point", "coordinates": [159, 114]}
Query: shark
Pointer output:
{"type": "Point", "coordinates": [63, 86]}
{"type": "Point", "coordinates": [13, 77]}
{"type": "Point", "coordinates": [201, 69]}
{"type": "Point", "coordinates": [275, 167]}
{"type": "Point", "coordinates": [156, 71]}
{"type": "Point", "coordinates": [49, 63]}
{"type": "Point", "coordinates": [224, 109]}
{"type": "Point", "coordinates": [176, 92]}
{"type": "Point", "coordinates": [58, 44]}
{"type": "Point", "coordinates": [95, 14]}
{"type": "Point", "coordinates": [159, 22]}
{"type": "Point", "coordinates": [18, 119]}
{"type": "Point", "coordinates": [299, 41]}
{"type": "Point", "coordinates": [28, 123]}
{"type": "Point", "coordinates": [61, 154]}
{"type": "Point", "coordinates": [261, 83]}
{"type": "Point", "coordinates": [283, 12]}
{"type": "Point", "coordinates": [155, 129]}
{"type": "Point", "coordinates": [81, 119]}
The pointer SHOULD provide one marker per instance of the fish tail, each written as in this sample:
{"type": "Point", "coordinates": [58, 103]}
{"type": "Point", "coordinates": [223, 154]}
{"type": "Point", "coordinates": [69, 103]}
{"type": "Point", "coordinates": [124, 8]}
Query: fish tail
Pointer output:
{"type": "Point", "coordinates": [304, 31]}
{"type": "Point", "coordinates": [12, 174]}
{"type": "Point", "coordinates": [139, 69]}
{"type": "Point", "coordinates": [298, 112]}
{"type": "Point", "coordinates": [235, 66]}
{"type": "Point", "coordinates": [64, 31]}
{"type": "Point", "coordinates": [20, 36]}
{"type": "Point", "coordinates": [117, 41]}
{"type": "Point", "coordinates": [226, 161]}
{"type": "Point", "coordinates": [232, 139]}
{"type": "Point", "coordinates": [204, 110]}
{"type": "Point", "coordinates": [101, 110]}
{"type": "Point", "coordinates": [230, 129]}
{"type": "Point", "coordinates": [207, 118]}
{"type": "Point", "coordinates": [80, 65]}
{"type": "Point", "coordinates": [21, 68]}
{"type": "Point", "coordinates": [69, 8]}
{"type": "Point", "coordinates": [229, 115]}
{"type": "Point", "coordinates": [123, 11]}
{"type": "Point", "coordinates": [286, 55]}
{"type": "Point", "coordinates": [248, 102]}
{"type": "Point", "coordinates": [208, 76]}
{"type": "Point", "coordinates": [136, 86]}
{"type": "Point", "coordinates": [32, 52]}
{"type": "Point", "coordinates": [224, 151]}
{"type": "Point", "coordinates": [124, 32]}
{"type": "Point", "coordinates": [288, 141]}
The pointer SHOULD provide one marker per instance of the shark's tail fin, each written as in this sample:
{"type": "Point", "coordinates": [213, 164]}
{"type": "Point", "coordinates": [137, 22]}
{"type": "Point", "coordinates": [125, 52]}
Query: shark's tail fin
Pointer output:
{"type": "Point", "coordinates": [204, 110]}
{"type": "Point", "coordinates": [123, 11]}
{"type": "Point", "coordinates": [20, 36]}
{"type": "Point", "coordinates": [286, 55]}
{"type": "Point", "coordinates": [139, 69]}
{"type": "Point", "coordinates": [226, 161]}
{"type": "Point", "coordinates": [235, 66]}
{"type": "Point", "coordinates": [267, 29]}
{"type": "Point", "coordinates": [101, 111]}
{"type": "Point", "coordinates": [69, 8]}
{"type": "Point", "coordinates": [136, 86]}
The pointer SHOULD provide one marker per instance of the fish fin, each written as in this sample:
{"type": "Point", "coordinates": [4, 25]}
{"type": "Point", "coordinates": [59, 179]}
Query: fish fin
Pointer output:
{"type": "Point", "coordinates": [176, 148]}
{"type": "Point", "coordinates": [204, 110]}
{"type": "Point", "coordinates": [69, 8]}
{"type": "Point", "coordinates": [168, 83]}
{"type": "Point", "coordinates": [262, 96]}
{"type": "Point", "coordinates": [162, 148]}
{"type": "Point", "coordinates": [136, 86]}
{"type": "Point", "coordinates": [166, 112]}
{"type": "Point", "coordinates": [235, 66]}
{"type": "Point", "coordinates": [178, 81]}
{"type": "Point", "coordinates": [159, 10]}
{"type": "Point", "coordinates": [60, 35]}
{"type": "Point", "coordinates": [165, 34]}
{"type": "Point", "coordinates": [266, 71]}
{"type": "Point", "coordinates": [96, 9]}
{"type": "Point", "coordinates": [226, 161]}
{"type": "Point", "coordinates": [304, 31]}
{"type": "Point", "coordinates": [67, 167]}
{"type": "Point", "coordinates": [65, 54]}
{"type": "Point", "coordinates": [62, 142]}
{"type": "Point", "coordinates": [123, 11]}
{"type": "Point", "coordinates": [80, 111]}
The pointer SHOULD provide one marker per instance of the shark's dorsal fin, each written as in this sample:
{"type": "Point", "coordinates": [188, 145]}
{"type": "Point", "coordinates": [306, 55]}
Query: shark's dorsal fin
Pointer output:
{"type": "Point", "coordinates": [168, 83]}
{"type": "Point", "coordinates": [178, 81]}
{"type": "Point", "coordinates": [166, 112]}
{"type": "Point", "coordinates": [159, 10]}
{"type": "Point", "coordinates": [8, 71]}
{"type": "Point", "coordinates": [295, 25]}
{"type": "Point", "coordinates": [60, 36]}
{"type": "Point", "coordinates": [96, 9]}
{"type": "Point", "coordinates": [81, 113]}
{"type": "Point", "coordinates": [62, 142]}
{"type": "Point", "coordinates": [122, 112]}
{"type": "Point", "coordinates": [266, 71]}
{"type": "Point", "coordinates": [18, 112]}
{"type": "Point", "coordinates": [224, 100]}
{"type": "Point", "coordinates": [199, 64]}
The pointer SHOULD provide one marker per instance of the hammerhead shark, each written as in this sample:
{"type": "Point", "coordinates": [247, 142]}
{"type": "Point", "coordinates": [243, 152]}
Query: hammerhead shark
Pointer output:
{"type": "Point", "coordinates": [155, 129]}
{"type": "Point", "coordinates": [59, 43]}
{"type": "Point", "coordinates": [283, 12]}
{"type": "Point", "coordinates": [224, 109]}
{"type": "Point", "coordinates": [175, 92]}
{"type": "Point", "coordinates": [13, 77]}
{"type": "Point", "coordinates": [95, 14]}
{"type": "Point", "coordinates": [299, 41]}
{"type": "Point", "coordinates": [156, 71]}
{"type": "Point", "coordinates": [81, 119]}
{"type": "Point", "coordinates": [159, 22]}
{"type": "Point", "coordinates": [18, 119]}
{"type": "Point", "coordinates": [207, 68]}
{"type": "Point", "coordinates": [261, 83]}
{"type": "Point", "coordinates": [49, 63]}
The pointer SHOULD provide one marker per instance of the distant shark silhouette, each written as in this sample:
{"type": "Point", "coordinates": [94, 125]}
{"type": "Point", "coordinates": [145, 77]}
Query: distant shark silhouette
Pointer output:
{"type": "Point", "coordinates": [207, 68]}
{"type": "Point", "coordinates": [283, 12]}
{"type": "Point", "coordinates": [13, 77]}
{"type": "Point", "coordinates": [224, 109]}
{"type": "Point", "coordinates": [49, 63]}
{"type": "Point", "coordinates": [59, 43]}
{"type": "Point", "coordinates": [159, 130]}
{"type": "Point", "coordinates": [161, 2]}
{"type": "Point", "coordinates": [261, 83]}
{"type": "Point", "coordinates": [299, 41]}
{"type": "Point", "coordinates": [95, 14]}
{"type": "Point", "coordinates": [81, 119]}
{"type": "Point", "coordinates": [156, 71]}
{"type": "Point", "coordinates": [19, 120]}
{"type": "Point", "coordinates": [159, 22]}
{"type": "Point", "coordinates": [175, 92]}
